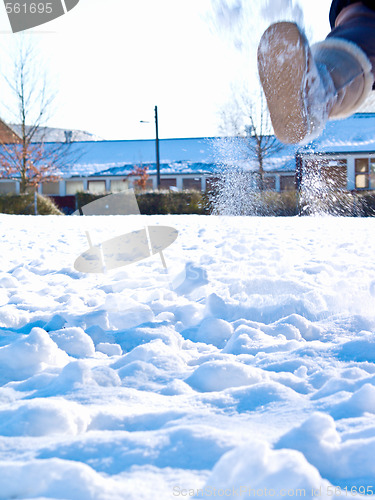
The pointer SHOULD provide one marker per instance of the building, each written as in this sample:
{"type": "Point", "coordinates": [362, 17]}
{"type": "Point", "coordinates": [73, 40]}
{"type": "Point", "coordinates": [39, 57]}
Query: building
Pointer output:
{"type": "Point", "coordinates": [344, 154]}
{"type": "Point", "coordinates": [191, 163]}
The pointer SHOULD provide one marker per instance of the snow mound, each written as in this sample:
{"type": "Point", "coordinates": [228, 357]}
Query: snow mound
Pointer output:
{"type": "Point", "coordinates": [30, 354]}
{"type": "Point", "coordinates": [342, 463]}
{"type": "Point", "coordinates": [189, 314]}
{"type": "Point", "coordinates": [255, 470]}
{"type": "Point", "coordinates": [213, 331]}
{"type": "Point", "coordinates": [249, 340]}
{"type": "Point", "coordinates": [154, 361]}
{"type": "Point", "coordinates": [74, 341]}
{"type": "Point", "coordinates": [259, 395]}
{"type": "Point", "coordinates": [362, 349]}
{"type": "Point", "coordinates": [41, 417]}
{"type": "Point", "coordinates": [306, 328]}
{"type": "Point", "coordinates": [349, 380]}
{"type": "Point", "coordinates": [360, 402]}
{"type": "Point", "coordinates": [124, 312]}
{"type": "Point", "coordinates": [109, 349]}
{"type": "Point", "coordinates": [191, 278]}
{"type": "Point", "coordinates": [8, 281]}
{"type": "Point", "coordinates": [220, 375]}
{"type": "Point", "coordinates": [53, 478]}
{"type": "Point", "coordinates": [81, 374]}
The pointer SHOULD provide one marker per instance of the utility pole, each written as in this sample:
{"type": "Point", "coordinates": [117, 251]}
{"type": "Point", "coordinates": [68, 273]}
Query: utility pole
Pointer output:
{"type": "Point", "coordinates": [157, 149]}
{"type": "Point", "coordinates": [156, 146]}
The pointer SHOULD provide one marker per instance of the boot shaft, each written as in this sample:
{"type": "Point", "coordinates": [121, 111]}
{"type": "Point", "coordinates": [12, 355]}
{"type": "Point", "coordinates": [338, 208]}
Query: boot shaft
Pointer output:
{"type": "Point", "coordinates": [350, 71]}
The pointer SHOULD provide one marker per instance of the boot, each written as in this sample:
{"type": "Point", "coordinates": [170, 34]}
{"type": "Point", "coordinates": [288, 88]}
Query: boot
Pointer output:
{"type": "Point", "coordinates": [350, 71]}
{"type": "Point", "coordinates": [305, 87]}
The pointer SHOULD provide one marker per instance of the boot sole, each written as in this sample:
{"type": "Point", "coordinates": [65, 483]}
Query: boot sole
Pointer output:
{"type": "Point", "coordinates": [283, 58]}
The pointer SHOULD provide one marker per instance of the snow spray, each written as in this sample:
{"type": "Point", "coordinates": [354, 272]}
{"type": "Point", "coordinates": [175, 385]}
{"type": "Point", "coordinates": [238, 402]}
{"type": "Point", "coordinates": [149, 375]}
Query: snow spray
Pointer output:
{"type": "Point", "coordinates": [235, 191]}
{"type": "Point", "coordinates": [239, 178]}
{"type": "Point", "coordinates": [286, 10]}
{"type": "Point", "coordinates": [320, 193]}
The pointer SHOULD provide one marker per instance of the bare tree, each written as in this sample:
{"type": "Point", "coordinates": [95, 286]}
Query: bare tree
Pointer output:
{"type": "Point", "coordinates": [248, 120]}
{"type": "Point", "coordinates": [30, 157]}
{"type": "Point", "coordinates": [142, 176]}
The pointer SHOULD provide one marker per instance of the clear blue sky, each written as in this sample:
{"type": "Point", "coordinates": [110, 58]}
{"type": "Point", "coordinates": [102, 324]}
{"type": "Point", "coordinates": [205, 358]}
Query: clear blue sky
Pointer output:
{"type": "Point", "coordinates": [113, 60]}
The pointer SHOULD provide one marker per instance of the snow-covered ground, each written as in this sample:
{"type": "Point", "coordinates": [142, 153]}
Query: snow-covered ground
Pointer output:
{"type": "Point", "coordinates": [255, 377]}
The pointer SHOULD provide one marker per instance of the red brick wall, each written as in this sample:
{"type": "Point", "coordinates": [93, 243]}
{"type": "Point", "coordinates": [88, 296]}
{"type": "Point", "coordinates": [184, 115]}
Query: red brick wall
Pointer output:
{"type": "Point", "coordinates": [7, 136]}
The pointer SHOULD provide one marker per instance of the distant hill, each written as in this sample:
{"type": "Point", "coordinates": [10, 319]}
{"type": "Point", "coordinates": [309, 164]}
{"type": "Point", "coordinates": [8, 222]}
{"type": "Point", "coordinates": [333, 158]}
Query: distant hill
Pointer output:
{"type": "Point", "coordinates": [51, 134]}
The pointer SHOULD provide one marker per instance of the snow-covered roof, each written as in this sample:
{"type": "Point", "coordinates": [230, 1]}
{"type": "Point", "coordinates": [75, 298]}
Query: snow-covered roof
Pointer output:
{"type": "Point", "coordinates": [240, 152]}
{"type": "Point", "coordinates": [177, 156]}
{"type": "Point", "coordinates": [205, 155]}
{"type": "Point", "coordinates": [355, 134]}
{"type": "Point", "coordinates": [177, 167]}
{"type": "Point", "coordinates": [191, 155]}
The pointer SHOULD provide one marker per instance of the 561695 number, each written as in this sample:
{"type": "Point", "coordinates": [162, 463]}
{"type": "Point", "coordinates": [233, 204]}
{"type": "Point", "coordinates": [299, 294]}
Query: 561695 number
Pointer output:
{"type": "Point", "coordinates": [29, 8]}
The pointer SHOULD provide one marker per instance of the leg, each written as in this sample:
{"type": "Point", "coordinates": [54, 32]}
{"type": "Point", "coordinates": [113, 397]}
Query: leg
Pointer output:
{"type": "Point", "coordinates": [356, 24]}
{"type": "Point", "coordinates": [305, 87]}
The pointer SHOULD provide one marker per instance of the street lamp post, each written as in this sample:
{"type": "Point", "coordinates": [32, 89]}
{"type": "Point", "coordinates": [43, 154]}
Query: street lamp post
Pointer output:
{"type": "Point", "coordinates": [156, 147]}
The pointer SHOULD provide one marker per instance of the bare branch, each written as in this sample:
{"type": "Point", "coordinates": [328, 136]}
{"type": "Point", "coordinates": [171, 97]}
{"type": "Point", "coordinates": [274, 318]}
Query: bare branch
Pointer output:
{"type": "Point", "coordinates": [29, 157]}
{"type": "Point", "coordinates": [253, 129]}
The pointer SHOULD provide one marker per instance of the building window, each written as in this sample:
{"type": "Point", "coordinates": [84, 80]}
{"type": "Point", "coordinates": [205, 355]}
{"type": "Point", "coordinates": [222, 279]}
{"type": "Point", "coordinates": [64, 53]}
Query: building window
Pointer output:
{"type": "Point", "coordinates": [50, 188]}
{"type": "Point", "coordinates": [167, 183]}
{"type": "Point", "coordinates": [287, 183]}
{"type": "Point", "coordinates": [365, 173]}
{"type": "Point", "coordinates": [192, 183]}
{"type": "Point", "coordinates": [118, 185]}
{"type": "Point", "coordinates": [73, 187]}
{"type": "Point", "coordinates": [96, 187]}
{"type": "Point", "coordinates": [270, 183]}
{"type": "Point", "coordinates": [7, 187]}
{"type": "Point", "coordinates": [362, 173]}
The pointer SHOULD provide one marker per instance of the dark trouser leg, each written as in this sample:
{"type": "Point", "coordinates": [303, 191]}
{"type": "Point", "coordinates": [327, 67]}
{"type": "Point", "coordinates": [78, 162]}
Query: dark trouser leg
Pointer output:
{"type": "Point", "coordinates": [356, 24]}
